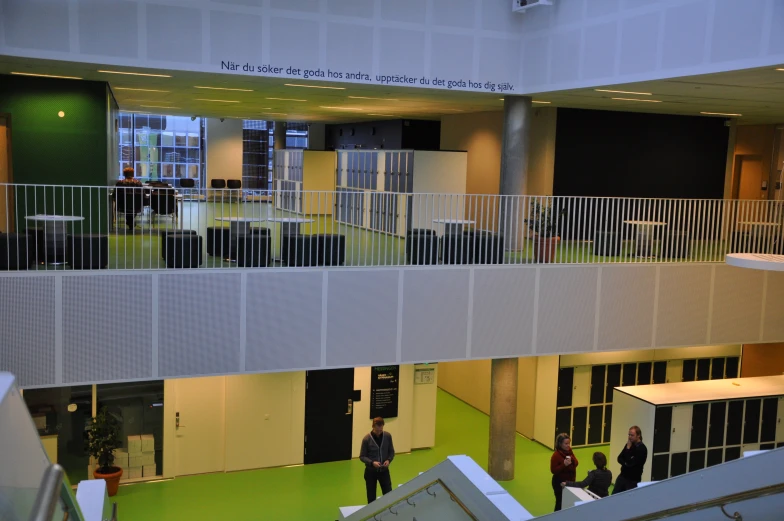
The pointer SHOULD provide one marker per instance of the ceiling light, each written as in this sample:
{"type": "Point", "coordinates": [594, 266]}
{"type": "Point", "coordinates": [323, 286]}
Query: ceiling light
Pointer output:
{"type": "Point", "coordinates": [385, 115]}
{"type": "Point", "coordinates": [625, 92]}
{"type": "Point", "coordinates": [45, 75]}
{"type": "Point", "coordinates": [453, 110]}
{"type": "Point", "coordinates": [61, 114]}
{"type": "Point", "coordinates": [541, 102]}
{"type": "Point", "coordinates": [313, 86]}
{"type": "Point", "coordinates": [287, 99]}
{"type": "Point", "coordinates": [157, 107]}
{"type": "Point", "coordinates": [218, 100]}
{"type": "Point", "coordinates": [780, 69]}
{"type": "Point", "coordinates": [367, 97]}
{"type": "Point", "coordinates": [222, 88]}
{"type": "Point", "coordinates": [137, 74]}
{"type": "Point", "coordinates": [340, 108]}
{"type": "Point", "coordinates": [720, 114]}
{"type": "Point", "coordinates": [274, 113]}
{"type": "Point", "coordinates": [632, 99]}
{"type": "Point", "coordinates": [140, 90]}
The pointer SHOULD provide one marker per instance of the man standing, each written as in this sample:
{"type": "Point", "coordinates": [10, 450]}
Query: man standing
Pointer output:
{"type": "Point", "coordinates": [632, 458]}
{"type": "Point", "coordinates": [377, 453]}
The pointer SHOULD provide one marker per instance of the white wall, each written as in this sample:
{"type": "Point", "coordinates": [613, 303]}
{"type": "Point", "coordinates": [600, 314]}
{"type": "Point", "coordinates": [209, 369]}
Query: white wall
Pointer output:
{"type": "Point", "coordinates": [628, 411]}
{"type": "Point", "coordinates": [224, 149]}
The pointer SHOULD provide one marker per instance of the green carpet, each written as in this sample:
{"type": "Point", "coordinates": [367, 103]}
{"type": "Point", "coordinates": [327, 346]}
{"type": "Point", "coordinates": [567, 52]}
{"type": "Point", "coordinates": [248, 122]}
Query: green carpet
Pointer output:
{"type": "Point", "coordinates": [316, 491]}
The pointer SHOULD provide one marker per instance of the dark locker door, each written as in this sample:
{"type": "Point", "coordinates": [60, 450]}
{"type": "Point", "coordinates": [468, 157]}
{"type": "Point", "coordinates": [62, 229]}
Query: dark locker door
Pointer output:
{"type": "Point", "coordinates": [703, 369]}
{"type": "Point", "coordinates": [613, 380]}
{"type": "Point", "coordinates": [629, 374]}
{"type": "Point", "coordinates": [660, 468]}
{"type": "Point", "coordinates": [565, 384]}
{"type": "Point", "coordinates": [718, 412]}
{"type": "Point", "coordinates": [714, 457]}
{"type": "Point", "coordinates": [563, 422]}
{"type": "Point", "coordinates": [717, 369]}
{"type": "Point", "coordinates": [662, 427]}
{"type": "Point", "coordinates": [678, 463]}
{"type": "Point", "coordinates": [579, 425]}
{"type": "Point", "coordinates": [607, 423]}
{"type": "Point", "coordinates": [696, 460]}
{"type": "Point", "coordinates": [595, 424]}
{"type": "Point", "coordinates": [731, 367]}
{"type": "Point", "coordinates": [751, 421]}
{"type": "Point", "coordinates": [769, 412]}
{"type": "Point", "coordinates": [597, 383]}
{"type": "Point", "coordinates": [699, 425]}
{"type": "Point", "coordinates": [734, 422]}
{"type": "Point", "coordinates": [731, 453]}
{"type": "Point", "coordinates": [644, 373]}
{"type": "Point", "coordinates": [328, 402]}
{"type": "Point", "coordinates": [659, 372]}
{"type": "Point", "coordinates": [689, 370]}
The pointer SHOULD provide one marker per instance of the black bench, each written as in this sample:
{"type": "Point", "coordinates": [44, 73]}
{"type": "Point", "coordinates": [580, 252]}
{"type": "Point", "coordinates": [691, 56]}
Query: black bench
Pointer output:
{"type": "Point", "coordinates": [14, 252]}
{"type": "Point", "coordinates": [88, 251]}
{"type": "Point", "coordinates": [183, 250]}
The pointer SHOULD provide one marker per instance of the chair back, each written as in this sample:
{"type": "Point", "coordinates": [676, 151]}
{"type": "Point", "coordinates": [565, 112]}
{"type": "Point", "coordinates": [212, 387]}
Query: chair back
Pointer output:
{"type": "Point", "coordinates": [187, 182]}
{"type": "Point", "coordinates": [234, 184]}
{"type": "Point", "coordinates": [163, 202]}
{"type": "Point", "coordinates": [218, 183]}
{"type": "Point", "coordinates": [129, 199]}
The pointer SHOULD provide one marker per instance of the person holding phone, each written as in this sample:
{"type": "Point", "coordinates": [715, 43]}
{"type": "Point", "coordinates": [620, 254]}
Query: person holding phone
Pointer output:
{"type": "Point", "coordinates": [632, 459]}
{"type": "Point", "coordinates": [377, 452]}
{"type": "Point", "coordinates": [563, 465]}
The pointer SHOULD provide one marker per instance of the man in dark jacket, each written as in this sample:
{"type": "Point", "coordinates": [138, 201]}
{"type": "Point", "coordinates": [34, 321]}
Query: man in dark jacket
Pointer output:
{"type": "Point", "coordinates": [632, 458]}
{"type": "Point", "coordinates": [377, 453]}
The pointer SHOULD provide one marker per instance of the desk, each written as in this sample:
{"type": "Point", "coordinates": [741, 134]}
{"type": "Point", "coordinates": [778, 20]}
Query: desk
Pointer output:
{"type": "Point", "coordinates": [55, 231]}
{"type": "Point", "coordinates": [240, 225]}
{"type": "Point", "coordinates": [290, 225]}
{"type": "Point", "coordinates": [644, 239]}
{"type": "Point", "coordinates": [453, 226]}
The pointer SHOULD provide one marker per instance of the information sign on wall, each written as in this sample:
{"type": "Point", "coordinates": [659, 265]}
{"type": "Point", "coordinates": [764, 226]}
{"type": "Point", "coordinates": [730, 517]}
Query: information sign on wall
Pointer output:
{"type": "Point", "coordinates": [426, 375]}
{"type": "Point", "coordinates": [384, 391]}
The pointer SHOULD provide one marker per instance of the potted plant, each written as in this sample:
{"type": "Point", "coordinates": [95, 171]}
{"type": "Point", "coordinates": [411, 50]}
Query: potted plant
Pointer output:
{"type": "Point", "coordinates": [103, 438]}
{"type": "Point", "coordinates": [543, 221]}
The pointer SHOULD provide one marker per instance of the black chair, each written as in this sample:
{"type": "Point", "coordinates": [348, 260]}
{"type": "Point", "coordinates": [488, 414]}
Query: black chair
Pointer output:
{"type": "Point", "coordinates": [331, 249]}
{"type": "Point", "coordinates": [129, 201]}
{"type": "Point", "coordinates": [485, 247]}
{"type": "Point", "coordinates": [219, 242]}
{"type": "Point", "coordinates": [46, 248]}
{"type": "Point", "coordinates": [166, 233]}
{"type": "Point", "coordinates": [233, 184]}
{"type": "Point", "coordinates": [606, 243]}
{"type": "Point", "coordinates": [88, 251]}
{"type": "Point", "coordinates": [455, 248]}
{"type": "Point", "coordinates": [675, 245]}
{"type": "Point", "coordinates": [253, 250]}
{"type": "Point", "coordinates": [183, 250]}
{"type": "Point", "coordinates": [218, 184]}
{"type": "Point", "coordinates": [299, 250]}
{"type": "Point", "coordinates": [187, 182]}
{"type": "Point", "coordinates": [14, 253]}
{"type": "Point", "coordinates": [164, 202]}
{"type": "Point", "coordinates": [421, 247]}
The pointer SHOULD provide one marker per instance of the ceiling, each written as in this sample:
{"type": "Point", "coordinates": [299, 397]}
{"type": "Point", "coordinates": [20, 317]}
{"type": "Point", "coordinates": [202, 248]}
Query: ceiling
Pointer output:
{"type": "Point", "coordinates": [756, 94]}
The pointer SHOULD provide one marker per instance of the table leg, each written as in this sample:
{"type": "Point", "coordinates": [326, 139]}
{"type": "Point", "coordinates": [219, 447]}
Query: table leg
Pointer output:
{"type": "Point", "coordinates": [644, 241]}
{"type": "Point", "coordinates": [55, 235]}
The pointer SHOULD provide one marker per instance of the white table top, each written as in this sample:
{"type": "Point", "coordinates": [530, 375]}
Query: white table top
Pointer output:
{"type": "Point", "coordinates": [646, 223]}
{"type": "Point", "coordinates": [55, 218]}
{"type": "Point", "coordinates": [241, 219]}
{"type": "Point", "coordinates": [290, 220]}
{"type": "Point", "coordinates": [756, 261]}
{"type": "Point", "coordinates": [758, 223]}
{"type": "Point", "coordinates": [453, 221]}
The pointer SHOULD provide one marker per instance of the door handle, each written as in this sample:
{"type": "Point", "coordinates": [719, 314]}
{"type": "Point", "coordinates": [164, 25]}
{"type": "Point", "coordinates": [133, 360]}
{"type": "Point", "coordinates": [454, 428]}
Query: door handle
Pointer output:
{"type": "Point", "coordinates": [350, 407]}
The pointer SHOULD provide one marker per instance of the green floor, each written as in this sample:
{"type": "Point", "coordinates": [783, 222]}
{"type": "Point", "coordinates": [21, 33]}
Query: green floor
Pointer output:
{"type": "Point", "coordinates": [316, 491]}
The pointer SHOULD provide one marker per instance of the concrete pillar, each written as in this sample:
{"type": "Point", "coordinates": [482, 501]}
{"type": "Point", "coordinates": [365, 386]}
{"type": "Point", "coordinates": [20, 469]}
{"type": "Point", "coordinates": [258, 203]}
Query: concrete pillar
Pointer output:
{"type": "Point", "coordinates": [514, 166]}
{"type": "Point", "coordinates": [279, 135]}
{"type": "Point", "coordinates": [503, 419]}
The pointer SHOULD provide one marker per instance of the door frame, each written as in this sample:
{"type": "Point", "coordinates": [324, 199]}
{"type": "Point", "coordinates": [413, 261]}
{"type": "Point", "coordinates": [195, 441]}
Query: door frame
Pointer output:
{"type": "Point", "coordinates": [9, 149]}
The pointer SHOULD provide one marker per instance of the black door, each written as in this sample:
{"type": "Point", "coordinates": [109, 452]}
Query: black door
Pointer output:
{"type": "Point", "coordinates": [565, 384]}
{"type": "Point", "coordinates": [714, 457]}
{"type": "Point", "coordinates": [595, 425]}
{"type": "Point", "coordinates": [659, 372]}
{"type": "Point", "coordinates": [699, 425]}
{"type": "Point", "coordinates": [579, 425]}
{"type": "Point", "coordinates": [660, 468]}
{"type": "Point", "coordinates": [751, 421]}
{"type": "Point", "coordinates": [607, 423]}
{"type": "Point", "coordinates": [563, 422]}
{"type": "Point", "coordinates": [629, 374]}
{"type": "Point", "coordinates": [644, 373]}
{"type": "Point", "coordinates": [597, 383]}
{"type": "Point", "coordinates": [769, 412]}
{"type": "Point", "coordinates": [731, 453]}
{"type": "Point", "coordinates": [329, 418]}
{"type": "Point", "coordinates": [696, 460]}
{"type": "Point", "coordinates": [718, 411]}
{"type": "Point", "coordinates": [731, 367]}
{"type": "Point", "coordinates": [703, 369]}
{"type": "Point", "coordinates": [734, 422]}
{"type": "Point", "coordinates": [689, 370]}
{"type": "Point", "coordinates": [662, 425]}
{"type": "Point", "coordinates": [717, 369]}
{"type": "Point", "coordinates": [678, 464]}
{"type": "Point", "coordinates": [613, 380]}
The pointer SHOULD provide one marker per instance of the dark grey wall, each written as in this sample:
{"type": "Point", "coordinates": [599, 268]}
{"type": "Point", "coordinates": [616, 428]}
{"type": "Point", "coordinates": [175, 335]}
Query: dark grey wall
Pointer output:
{"type": "Point", "coordinates": [387, 134]}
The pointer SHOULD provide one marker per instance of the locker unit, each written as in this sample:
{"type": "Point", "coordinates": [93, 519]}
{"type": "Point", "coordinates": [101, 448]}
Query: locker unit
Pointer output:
{"type": "Point", "coordinates": [689, 426]}
{"type": "Point", "coordinates": [298, 171]}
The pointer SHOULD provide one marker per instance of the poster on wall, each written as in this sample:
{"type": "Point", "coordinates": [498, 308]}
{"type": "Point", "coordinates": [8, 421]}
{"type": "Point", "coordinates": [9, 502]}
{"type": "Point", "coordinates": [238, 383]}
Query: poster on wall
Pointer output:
{"type": "Point", "coordinates": [384, 391]}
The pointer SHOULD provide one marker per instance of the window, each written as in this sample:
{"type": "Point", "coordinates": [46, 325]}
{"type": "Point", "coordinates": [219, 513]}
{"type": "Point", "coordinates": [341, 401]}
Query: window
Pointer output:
{"type": "Point", "coordinates": [256, 154]}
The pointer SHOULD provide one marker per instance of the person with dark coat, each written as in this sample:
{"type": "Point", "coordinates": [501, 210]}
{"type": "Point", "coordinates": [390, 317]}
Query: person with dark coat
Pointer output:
{"type": "Point", "coordinates": [632, 458]}
{"type": "Point", "coordinates": [128, 181]}
{"type": "Point", "coordinates": [563, 465]}
{"type": "Point", "coordinates": [598, 480]}
{"type": "Point", "coordinates": [377, 452]}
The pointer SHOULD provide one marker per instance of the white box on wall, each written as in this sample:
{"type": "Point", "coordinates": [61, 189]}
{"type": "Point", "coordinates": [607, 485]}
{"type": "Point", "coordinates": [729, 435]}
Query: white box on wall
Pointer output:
{"type": "Point", "coordinates": [121, 459]}
{"type": "Point", "coordinates": [134, 444]}
{"type": "Point", "coordinates": [135, 460]}
{"type": "Point", "coordinates": [148, 443]}
{"type": "Point", "coordinates": [148, 458]}
{"type": "Point", "coordinates": [149, 471]}
{"type": "Point", "coordinates": [134, 472]}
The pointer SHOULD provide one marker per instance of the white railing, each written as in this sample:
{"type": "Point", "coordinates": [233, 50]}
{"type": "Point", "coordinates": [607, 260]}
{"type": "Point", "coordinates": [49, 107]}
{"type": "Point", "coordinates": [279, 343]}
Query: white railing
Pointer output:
{"type": "Point", "coordinates": [87, 227]}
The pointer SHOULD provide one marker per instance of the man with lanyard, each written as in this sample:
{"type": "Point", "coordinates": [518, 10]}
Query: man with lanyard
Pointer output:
{"type": "Point", "coordinates": [377, 453]}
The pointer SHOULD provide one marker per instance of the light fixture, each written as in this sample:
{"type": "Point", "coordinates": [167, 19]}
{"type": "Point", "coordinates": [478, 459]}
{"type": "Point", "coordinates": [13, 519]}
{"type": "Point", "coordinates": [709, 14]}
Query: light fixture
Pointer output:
{"type": "Point", "coordinates": [222, 88]}
{"type": "Point", "coordinates": [140, 90]}
{"type": "Point", "coordinates": [368, 97]}
{"type": "Point", "coordinates": [340, 108]}
{"type": "Point", "coordinates": [287, 99]}
{"type": "Point", "coordinates": [624, 92]}
{"type": "Point", "coordinates": [313, 86]}
{"type": "Point", "coordinates": [541, 102]}
{"type": "Point", "coordinates": [274, 113]}
{"type": "Point", "coordinates": [720, 114]}
{"type": "Point", "coordinates": [157, 107]}
{"type": "Point", "coordinates": [780, 69]}
{"type": "Point", "coordinates": [218, 100]}
{"type": "Point", "coordinates": [137, 74]}
{"type": "Point", "coordinates": [452, 110]}
{"type": "Point", "coordinates": [61, 114]}
{"type": "Point", "coordinates": [45, 75]}
{"type": "Point", "coordinates": [384, 115]}
{"type": "Point", "coordinates": [643, 100]}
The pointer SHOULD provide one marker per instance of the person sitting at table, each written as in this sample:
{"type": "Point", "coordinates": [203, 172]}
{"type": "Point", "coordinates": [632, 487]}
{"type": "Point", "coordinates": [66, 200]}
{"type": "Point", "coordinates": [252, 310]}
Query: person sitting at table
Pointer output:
{"type": "Point", "coordinates": [598, 480]}
{"type": "Point", "coordinates": [128, 181]}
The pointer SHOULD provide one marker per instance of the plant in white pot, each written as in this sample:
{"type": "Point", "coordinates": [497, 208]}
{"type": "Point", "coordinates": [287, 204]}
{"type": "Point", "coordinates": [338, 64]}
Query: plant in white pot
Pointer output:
{"type": "Point", "coordinates": [543, 221]}
{"type": "Point", "coordinates": [103, 438]}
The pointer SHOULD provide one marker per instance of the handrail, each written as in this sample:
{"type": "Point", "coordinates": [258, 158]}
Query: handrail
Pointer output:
{"type": "Point", "coordinates": [114, 511]}
{"type": "Point", "coordinates": [48, 493]}
{"type": "Point", "coordinates": [720, 502]}
{"type": "Point", "coordinates": [71, 507]}
{"type": "Point", "coordinates": [426, 488]}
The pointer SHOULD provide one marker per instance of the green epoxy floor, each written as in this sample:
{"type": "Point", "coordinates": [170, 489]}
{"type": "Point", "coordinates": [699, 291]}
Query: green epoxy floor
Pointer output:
{"type": "Point", "coordinates": [315, 492]}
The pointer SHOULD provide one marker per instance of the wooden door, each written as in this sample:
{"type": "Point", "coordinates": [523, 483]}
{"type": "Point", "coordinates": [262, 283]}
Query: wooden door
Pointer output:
{"type": "Point", "coordinates": [750, 183]}
{"type": "Point", "coordinates": [199, 425]}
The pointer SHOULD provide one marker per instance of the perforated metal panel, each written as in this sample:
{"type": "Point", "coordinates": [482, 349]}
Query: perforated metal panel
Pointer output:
{"type": "Point", "coordinates": [27, 329]}
{"type": "Point", "coordinates": [503, 312]}
{"type": "Point", "coordinates": [283, 320]}
{"type": "Point", "coordinates": [626, 304]}
{"type": "Point", "coordinates": [737, 305]}
{"type": "Point", "coordinates": [567, 309]}
{"type": "Point", "coordinates": [682, 312]}
{"type": "Point", "coordinates": [773, 327]}
{"type": "Point", "coordinates": [435, 314]}
{"type": "Point", "coordinates": [107, 327]}
{"type": "Point", "coordinates": [198, 324]}
{"type": "Point", "coordinates": [362, 306]}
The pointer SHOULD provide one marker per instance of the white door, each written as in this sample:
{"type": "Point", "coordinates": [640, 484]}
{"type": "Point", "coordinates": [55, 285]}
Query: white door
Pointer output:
{"type": "Point", "coordinates": [680, 440]}
{"type": "Point", "coordinates": [780, 421]}
{"type": "Point", "coordinates": [674, 371]}
{"type": "Point", "coordinates": [581, 394]}
{"type": "Point", "coordinates": [199, 431]}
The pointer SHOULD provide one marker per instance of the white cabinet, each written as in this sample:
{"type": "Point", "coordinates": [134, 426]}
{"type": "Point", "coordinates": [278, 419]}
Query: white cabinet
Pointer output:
{"type": "Point", "coordinates": [681, 428]}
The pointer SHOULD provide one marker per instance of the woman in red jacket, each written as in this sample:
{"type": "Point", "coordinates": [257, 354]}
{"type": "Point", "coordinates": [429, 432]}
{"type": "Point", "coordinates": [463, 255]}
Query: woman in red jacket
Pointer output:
{"type": "Point", "coordinates": [563, 465]}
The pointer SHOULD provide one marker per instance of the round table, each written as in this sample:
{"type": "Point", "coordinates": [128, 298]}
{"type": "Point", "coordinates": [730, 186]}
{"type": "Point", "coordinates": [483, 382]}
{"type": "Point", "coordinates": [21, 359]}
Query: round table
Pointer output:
{"type": "Point", "coordinates": [240, 225]}
{"type": "Point", "coordinates": [453, 226]}
{"type": "Point", "coordinates": [644, 239]}
{"type": "Point", "coordinates": [756, 261]}
{"type": "Point", "coordinates": [290, 225]}
{"type": "Point", "coordinates": [55, 230]}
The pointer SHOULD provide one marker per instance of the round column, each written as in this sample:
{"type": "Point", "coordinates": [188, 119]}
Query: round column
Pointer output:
{"type": "Point", "coordinates": [503, 419]}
